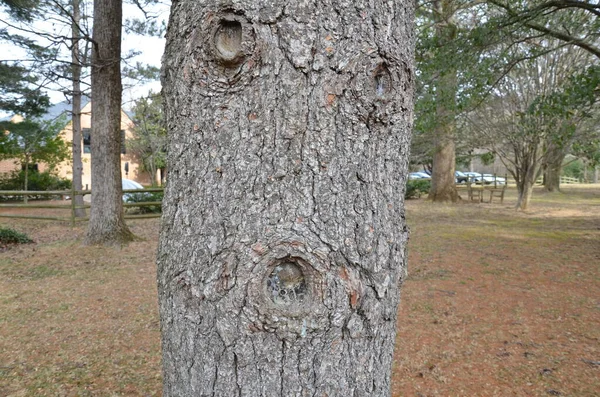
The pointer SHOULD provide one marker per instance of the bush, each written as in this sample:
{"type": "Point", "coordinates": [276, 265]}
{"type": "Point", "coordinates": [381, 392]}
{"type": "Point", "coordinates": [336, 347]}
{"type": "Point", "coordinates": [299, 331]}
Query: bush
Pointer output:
{"type": "Point", "coordinates": [574, 169]}
{"type": "Point", "coordinates": [145, 198]}
{"type": "Point", "coordinates": [416, 187]}
{"type": "Point", "coordinates": [35, 181]}
{"type": "Point", "coordinates": [11, 236]}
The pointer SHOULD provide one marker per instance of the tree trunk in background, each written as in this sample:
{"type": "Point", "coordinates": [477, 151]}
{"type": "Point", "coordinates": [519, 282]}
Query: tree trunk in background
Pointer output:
{"type": "Point", "coordinates": [443, 185]}
{"type": "Point", "coordinates": [553, 165]}
{"type": "Point", "coordinates": [107, 225]}
{"type": "Point", "coordinates": [76, 117]}
{"type": "Point", "coordinates": [283, 238]}
{"type": "Point", "coordinates": [25, 197]}
{"type": "Point", "coordinates": [525, 178]}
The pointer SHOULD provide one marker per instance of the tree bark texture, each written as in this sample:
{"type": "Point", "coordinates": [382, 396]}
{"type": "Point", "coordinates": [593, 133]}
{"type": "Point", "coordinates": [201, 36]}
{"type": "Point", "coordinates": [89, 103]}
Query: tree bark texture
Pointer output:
{"type": "Point", "coordinates": [107, 224]}
{"type": "Point", "coordinates": [443, 184]}
{"type": "Point", "coordinates": [76, 116]}
{"type": "Point", "coordinates": [282, 247]}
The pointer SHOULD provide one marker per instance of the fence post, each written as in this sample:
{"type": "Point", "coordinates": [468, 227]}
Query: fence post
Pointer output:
{"type": "Point", "coordinates": [72, 206]}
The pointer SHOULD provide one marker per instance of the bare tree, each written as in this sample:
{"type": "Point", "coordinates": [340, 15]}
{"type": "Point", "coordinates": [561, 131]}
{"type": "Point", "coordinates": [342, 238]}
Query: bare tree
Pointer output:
{"type": "Point", "coordinates": [523, 123]}
{"type": "Point", "coordinates": [283, 241]}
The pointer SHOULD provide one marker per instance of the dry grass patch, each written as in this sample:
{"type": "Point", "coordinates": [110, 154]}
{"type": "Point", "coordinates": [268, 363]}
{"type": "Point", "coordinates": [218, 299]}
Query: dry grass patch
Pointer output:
{"type": "Point", "coordinates": [497, 303]}
{"type": "Point", "coordinates": [518, 311]}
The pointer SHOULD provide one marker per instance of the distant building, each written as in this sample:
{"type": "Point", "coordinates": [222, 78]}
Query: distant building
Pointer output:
{"type": "Point", "coordinates": [130, 166]}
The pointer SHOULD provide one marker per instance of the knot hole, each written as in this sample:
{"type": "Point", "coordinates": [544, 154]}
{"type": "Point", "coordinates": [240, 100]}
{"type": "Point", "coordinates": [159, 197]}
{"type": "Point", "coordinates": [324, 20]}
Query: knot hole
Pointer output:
{"type": "Point", "coordinates": [287, 284]}
{"type": "Point", "coordinates": [228, 40]}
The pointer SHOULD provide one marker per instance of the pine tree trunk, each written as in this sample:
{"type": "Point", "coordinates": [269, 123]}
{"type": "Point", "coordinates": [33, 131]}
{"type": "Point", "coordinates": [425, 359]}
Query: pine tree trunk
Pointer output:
{"type": "Point", "coordinates": [106, 225]}
{"type": "Point", "coordinates": [282, 248]}
{"type": "Point", "coordinates": [76, 117]}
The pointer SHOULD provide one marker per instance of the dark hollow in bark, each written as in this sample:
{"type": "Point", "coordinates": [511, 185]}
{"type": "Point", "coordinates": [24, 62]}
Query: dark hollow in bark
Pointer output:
{"type": "Point", "coordinates": [282, 246]}
{"type": "Point", "coordinates": [228, 40]}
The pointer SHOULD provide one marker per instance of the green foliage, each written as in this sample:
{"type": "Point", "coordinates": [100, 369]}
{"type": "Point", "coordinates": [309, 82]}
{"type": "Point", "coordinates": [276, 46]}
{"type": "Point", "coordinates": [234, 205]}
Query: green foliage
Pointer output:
{"type": "Point", "coordinates": [149, 140]}
{"type": "Point", "coordinates": [32, 141]}
{"type": "Point", "coordinates": [17, 94]}
{"type": "Point", "coordinates": [37, 181]}
{"type": "Point", "coordinates": [487, 158]}
{"type": "Point", "coordinates": [145, 198]}
{"type": "Point", "coordinates": [416, 187]}
{"type": "Point", "coordinates": [574, 169]}
{"type": "Point", "coordinates": [11, 236]}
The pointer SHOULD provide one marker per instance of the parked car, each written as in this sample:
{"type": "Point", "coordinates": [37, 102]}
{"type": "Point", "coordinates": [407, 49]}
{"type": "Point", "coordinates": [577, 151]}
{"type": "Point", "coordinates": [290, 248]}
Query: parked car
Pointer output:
{"type": "Point", "coordinates": [128, 184]}
{"type": "Point", "coordinates": [419, 175]}
{"type": "Point", "coordinates": [485, 179]}
{"type": "Point", "coordinates": [460, 177]}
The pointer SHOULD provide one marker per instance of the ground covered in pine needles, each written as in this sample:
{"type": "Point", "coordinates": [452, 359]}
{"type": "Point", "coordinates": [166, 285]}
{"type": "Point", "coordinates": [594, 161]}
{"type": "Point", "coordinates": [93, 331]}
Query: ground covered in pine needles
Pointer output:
{"type": "Point", "coordinates": [497, 303]}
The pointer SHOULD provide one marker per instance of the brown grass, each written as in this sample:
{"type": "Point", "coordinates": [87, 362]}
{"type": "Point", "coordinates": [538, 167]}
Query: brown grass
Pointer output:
{"type": "Point", "coordinates": [497, 303]}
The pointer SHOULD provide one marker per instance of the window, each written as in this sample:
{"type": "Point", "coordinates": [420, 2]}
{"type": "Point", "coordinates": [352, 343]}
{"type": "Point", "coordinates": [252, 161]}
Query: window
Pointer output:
{"type": "Point", "coordinates": [123, 148]}
{"type": "Point", "coordinates": [86, 132]}
{"type": "Point", "coordinates": [31, 167]}
{"type": "Point", "coordinates": [87, 138]}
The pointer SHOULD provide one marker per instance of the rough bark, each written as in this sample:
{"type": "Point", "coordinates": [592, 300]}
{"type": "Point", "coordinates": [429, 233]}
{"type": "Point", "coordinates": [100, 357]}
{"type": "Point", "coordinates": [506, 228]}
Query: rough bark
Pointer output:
{"type": "Point", "coordinates": [76, 115]}
{"type": "Point", "coordinates": [443, 185]}
{"type": "Point", "coordinates": [553, 160]}
{"type": "Point", "coordinates": [282, 246]}
{"type": "Point", "coordinates": [107, 224]}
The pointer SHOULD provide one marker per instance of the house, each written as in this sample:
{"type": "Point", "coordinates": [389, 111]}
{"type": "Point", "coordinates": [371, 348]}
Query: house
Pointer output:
{"type": "Point", "coordinates": [130, 166]}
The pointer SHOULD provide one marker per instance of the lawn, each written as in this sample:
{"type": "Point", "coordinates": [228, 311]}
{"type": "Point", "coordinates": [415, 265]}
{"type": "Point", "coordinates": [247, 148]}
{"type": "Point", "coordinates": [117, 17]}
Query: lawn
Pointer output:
{"type": "Point", "coordinates": [497, 302]}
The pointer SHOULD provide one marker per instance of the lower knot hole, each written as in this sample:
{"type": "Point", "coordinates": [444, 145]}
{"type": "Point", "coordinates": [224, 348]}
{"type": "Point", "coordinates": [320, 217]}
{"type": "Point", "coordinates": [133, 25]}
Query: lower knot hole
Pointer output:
{"type": "Point", "coordinates": [286, 284]}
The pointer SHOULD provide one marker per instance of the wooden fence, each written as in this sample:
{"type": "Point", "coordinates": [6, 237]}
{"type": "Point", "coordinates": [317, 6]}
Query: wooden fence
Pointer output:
{"type": "Point", "coordinates": [62, 194]}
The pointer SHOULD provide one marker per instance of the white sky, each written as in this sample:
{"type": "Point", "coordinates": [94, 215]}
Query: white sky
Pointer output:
{"type": "Point", "coordinates": [151, 49]}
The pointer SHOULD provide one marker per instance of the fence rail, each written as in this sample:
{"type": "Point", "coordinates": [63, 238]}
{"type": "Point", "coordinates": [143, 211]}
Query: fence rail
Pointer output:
{"type": "Point", "coordinates": [14, 194]}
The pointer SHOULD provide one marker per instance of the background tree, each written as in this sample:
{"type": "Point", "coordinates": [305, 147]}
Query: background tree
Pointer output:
{"type": "Point", "coordinates": [533, 112]}
{"type": "Point", "coordinates": [149, 140]}
{"type": "Point", "coordinates": [283, 239]}
{"type": "Point", "coordinates": [107, 223]}
{"type": "Point", "coordinates": [31, 142]}
{"type": "Point", "coordinates": [573, 22]}
{"type": "Point", "coordinates": [575, 112]}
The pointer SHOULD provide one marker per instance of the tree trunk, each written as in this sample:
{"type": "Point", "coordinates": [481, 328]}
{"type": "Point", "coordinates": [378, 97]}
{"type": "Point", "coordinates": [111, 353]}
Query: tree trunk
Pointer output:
{"type": "Point", "coordinates": [283, 242]}
{"type": "Point", "coordinates": [443, 185]}
{"type": "Point", "coordinates": [525, 182]}
{"type": "Point", "coordinates": [106, 225]}
{"type": "Point", "coordinates": [76, 116]}
{"type": "Point", "coordinates": [26, 182]}
{"type": "Point", "coordinates": [553, 160]}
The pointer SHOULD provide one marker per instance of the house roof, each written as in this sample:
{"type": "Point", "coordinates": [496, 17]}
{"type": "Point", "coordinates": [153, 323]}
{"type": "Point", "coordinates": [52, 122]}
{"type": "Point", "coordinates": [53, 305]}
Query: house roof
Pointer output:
{"type": "Point", "coordinates": [63, 108]}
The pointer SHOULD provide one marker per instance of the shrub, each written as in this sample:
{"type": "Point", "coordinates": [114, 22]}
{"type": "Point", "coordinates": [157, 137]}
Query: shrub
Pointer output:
{"type": "Point", "coordinates": [35, 181]}
{"type": "Point", "coordinates": [11, 236]}
{"type": "Point", "coordinates": [416, 187]}
{"type": "Point", "coordinates": [145, 198]}
{"type": "Point", "coordinates": [574, 169]}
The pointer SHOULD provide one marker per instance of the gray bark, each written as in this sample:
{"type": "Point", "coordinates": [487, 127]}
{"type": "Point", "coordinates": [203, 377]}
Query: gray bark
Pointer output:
{"type": "Point", "coordinates": [107, 224]}
{"type": "Point", "coordinates": [282, 246]}
{"type": "Point", "coordinates": [553, 160]}
{"type": "Point", "coordinates": [76, 116]}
